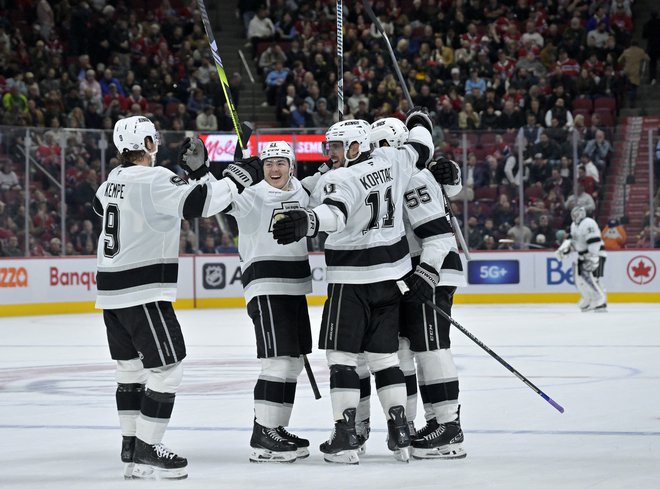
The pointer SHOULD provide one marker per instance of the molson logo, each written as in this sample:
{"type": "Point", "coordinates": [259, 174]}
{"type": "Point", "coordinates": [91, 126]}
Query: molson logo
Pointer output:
{"type": "Point", "coordinates": [71, 279]}
{"type": "Point", "coordinates": [12, 277]}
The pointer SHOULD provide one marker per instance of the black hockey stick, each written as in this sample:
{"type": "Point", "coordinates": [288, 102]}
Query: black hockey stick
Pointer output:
{"type": "Point", "coordinates": [340, 60]}
{"type": "Point", "coordinates": [404, 288]}
{"type": "Point", "coordinates": [406, 93]}
{"type": "Point", "coordinates": [312, 379]}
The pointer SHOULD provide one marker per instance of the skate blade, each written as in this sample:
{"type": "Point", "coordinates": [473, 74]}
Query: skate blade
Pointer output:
{"type": "Point", "coordinates": [447, 452]}
{"type": "Point", "coordinates": [302, 452]}
{"type": "Point", "coordinates": [261, 455]}
{"type": "Point", "coordinates": [402, 454]}
{"type": "Point", "coordinates": [148, 472]}
{"type": "Point", "coordinates": [362, 449]}
{"type": "Point", "coordinates": [128, 470]}
{"type": "Point", "coordinates": [346, 457]}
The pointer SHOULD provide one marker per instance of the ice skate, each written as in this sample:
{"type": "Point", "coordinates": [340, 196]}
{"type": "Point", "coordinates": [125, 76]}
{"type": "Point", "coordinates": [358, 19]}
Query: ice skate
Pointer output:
{"type": "Point", "coordinates": [302, 444]}
{"type": "Point", "coordinates": [446, 441]}
{"type": "Point", "coordinates": [431, 425]}
{"type": "Point", "coordinates": [157, 462]}
{"type": "Point", "coordinates": [398, 434]}
{"type": "Point", "coordinates": [343, 445]}
{"type": "Point", "coordinates": [363, 428]}
{"type": "Point", "coordinates": [127, 451]}
{"type": "Point", "coordinates": [269, 446]}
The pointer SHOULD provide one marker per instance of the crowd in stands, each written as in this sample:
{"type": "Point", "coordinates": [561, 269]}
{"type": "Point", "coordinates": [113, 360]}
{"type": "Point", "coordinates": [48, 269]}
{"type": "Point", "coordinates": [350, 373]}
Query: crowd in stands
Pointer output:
{"type": "Point", "coordinates": [544, 79]}
{"type": "Point", "coordinates": [523, 76]}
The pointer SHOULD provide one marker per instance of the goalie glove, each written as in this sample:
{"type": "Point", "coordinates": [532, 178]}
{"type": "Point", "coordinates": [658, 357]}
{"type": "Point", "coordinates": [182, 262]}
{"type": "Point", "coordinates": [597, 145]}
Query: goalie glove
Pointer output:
{"type": "Point", "coordinates": [193, 158]}
{"type": "Point", "coordinates": [293, 225]}
{"type": "Point", "coordinates": [245, 173]}
{"type": "Point", "coordinates": [444, 171]}
{"type": "Point", "coordinates": [422, 282]}
{"type": "Point", "coordinates": [564, 249]}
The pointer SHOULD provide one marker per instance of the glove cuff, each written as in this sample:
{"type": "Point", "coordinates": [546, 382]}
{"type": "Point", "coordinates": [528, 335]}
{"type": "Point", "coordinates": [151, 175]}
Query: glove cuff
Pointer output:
{"type": "Point", "coordinates": [312, 223]}
{"type": "Point", "coordinates": [427, 273]}
{"type": "Point", "coordinates": [200, 172]}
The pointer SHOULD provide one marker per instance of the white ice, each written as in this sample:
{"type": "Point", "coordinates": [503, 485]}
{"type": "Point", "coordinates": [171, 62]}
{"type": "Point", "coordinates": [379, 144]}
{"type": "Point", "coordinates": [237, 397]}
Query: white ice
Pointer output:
{"type": "Point", "coordinates": [59, 429]}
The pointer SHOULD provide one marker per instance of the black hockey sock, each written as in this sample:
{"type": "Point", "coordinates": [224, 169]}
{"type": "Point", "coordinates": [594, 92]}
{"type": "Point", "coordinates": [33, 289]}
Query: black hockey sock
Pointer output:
{"type": "Point", "coordinates": [129, 397]}
{"type": "Point", "coordinates": [157, 405]}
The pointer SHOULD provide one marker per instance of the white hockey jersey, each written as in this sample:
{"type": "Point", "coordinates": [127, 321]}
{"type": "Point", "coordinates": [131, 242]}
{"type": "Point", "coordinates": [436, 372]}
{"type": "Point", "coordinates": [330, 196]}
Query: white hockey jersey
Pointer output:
{"type": "Point", "coordinates": [586, 238]}
{"type": "Point", "coordinates": [268, 268]}
{"type": "Point", "coordinates": [428, 229]}
{"type": "Point", "coordinates": [369, 245]}
{"type": "Point", "coordinates": [138, 252]}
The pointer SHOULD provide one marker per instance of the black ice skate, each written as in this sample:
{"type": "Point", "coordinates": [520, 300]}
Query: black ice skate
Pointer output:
{"type": "Point", "coordinates": [302, 445]}
{"type": "Point", "coordinates": [362, 429]}
{"type": "Point", "coordinates": [431, 425]}
{"type": "Point", "coordinates": [127, 451]}
{"type": "Point", "coordinates": [157, 462]}
{"type": "Point", "coordinates": [445, 441]}
{"type": "Point", "coordinates": [343, 444]}
{"type": "Point", "coordinates": [398, 434]}
{"type": "Point", "coordinates": [269, 446]}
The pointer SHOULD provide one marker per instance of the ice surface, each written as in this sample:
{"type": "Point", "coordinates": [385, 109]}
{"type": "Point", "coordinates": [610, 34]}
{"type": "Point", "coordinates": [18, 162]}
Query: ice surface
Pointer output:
{"type": "Point", "coordinates": [58, 424]}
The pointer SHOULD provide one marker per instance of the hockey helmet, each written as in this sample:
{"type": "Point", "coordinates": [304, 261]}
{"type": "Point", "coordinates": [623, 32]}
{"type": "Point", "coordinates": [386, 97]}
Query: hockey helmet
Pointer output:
{"type": "Point", "coordinates": [130, 134]}
{"type": "Point", "coordinates": [578, 213]}
{"type": "Point", "coordinates": [348, 132]}
{"type": "Point", "coordinates": [390, 130]}
{"type": "Point", "coordinates": [280, 149]}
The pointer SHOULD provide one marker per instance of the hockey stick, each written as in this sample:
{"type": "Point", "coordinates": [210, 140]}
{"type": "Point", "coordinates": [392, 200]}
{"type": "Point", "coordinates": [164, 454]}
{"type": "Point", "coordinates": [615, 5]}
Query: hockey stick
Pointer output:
{"type": "Point", "coordinates": [454, 222]}
{"type": "Point", "coordinates": [312, 379]}
{"type": "Point", "coordinates": [404, 288]}
{"type": "Point", "coordinates": [242, 141]}
{"type": "Point", "coordinates": [340, 60]}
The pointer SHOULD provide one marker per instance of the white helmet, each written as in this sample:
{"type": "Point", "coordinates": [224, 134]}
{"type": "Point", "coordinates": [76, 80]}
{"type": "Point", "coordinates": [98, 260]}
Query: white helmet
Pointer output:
{"type": "Point", "coordinates": [280, 149]}
{"type": "Point", "coordinates": [349, 132]}
{"type": "Point", "coordinates": [389, 129]}
{"type": "Point", "coordinates": [130, 134]}
{"type": "Point", "coordinates": [578, 213]}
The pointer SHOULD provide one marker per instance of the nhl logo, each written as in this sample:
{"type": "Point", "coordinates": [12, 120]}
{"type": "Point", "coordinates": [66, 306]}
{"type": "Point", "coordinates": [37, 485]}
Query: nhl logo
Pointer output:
{"type": "Point", "coordinates": [214, 275]}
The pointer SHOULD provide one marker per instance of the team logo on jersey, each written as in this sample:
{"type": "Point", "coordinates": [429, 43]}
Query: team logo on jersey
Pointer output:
{"type": "Point", "coordinates": [329, 188]}
{"type": "Point", "coordinates": [641, 270]}
{"type": "Point", "coordinates": [177, 180]}
{"type": "Point", "coordinates": [286, 206]}
{"type": "Point", "coordinates": [215, 275]}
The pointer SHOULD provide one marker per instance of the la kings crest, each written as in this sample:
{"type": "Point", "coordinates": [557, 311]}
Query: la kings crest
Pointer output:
{"type": "Point", "coordinates": [286, 206]}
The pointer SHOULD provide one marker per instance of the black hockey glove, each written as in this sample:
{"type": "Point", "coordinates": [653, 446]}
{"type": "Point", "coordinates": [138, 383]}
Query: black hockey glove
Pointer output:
{"type": "Point", "coordinates": [422, 282]}
{"type": "Point", "coordinates": [193, 158]}
{"type": "Point", "coordinates": [419, 116]}
{"type": "Point", "coordinates": [294, 225]}
{"type": "Point", "coordinates": [444, 171]}
{"type": "Point", "coordinates": [245, 173]}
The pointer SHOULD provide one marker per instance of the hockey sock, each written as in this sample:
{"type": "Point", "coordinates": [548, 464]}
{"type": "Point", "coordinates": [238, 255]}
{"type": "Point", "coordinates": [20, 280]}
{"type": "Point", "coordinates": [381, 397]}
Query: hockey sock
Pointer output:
{"type": "Point", "coordinates": [129, 402]}
{"type": "Point", "coordinates": [391, 387]}
{"type": "Point", "coordinates": [364, 407]}
{"type": "Point", "coordinates": [344, 389]}
{"type": "Point", "coordinates": [407, 365]}
{"type": "Point", "coordinates": [426, 403]}
{"type": "Point", "coordinates": [270, 392]}
{"type": "Point", "coordinates": [295, 366]}
{"type": "Point", "coordinates": [154, 416]}
{"type": "Point", "coordinates": [440, 383]}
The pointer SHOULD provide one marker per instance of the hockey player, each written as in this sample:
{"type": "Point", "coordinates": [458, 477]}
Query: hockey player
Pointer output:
{"type": "Point", "coordinates": [366, 252]}
{"type": "Point", "coordinates": [424, 334]}
{"type": "Point", "coordinates": [137, 262]}
{"type": "Point", "coordinates": [275, 279]}
{"type": "Point", "coordinates": [585, 238]}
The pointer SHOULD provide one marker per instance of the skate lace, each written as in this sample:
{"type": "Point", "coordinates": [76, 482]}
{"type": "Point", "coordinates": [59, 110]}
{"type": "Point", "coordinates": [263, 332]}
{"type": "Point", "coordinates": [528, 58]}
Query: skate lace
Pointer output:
{"type": "Point", "coordinates": [163, 452]}
{"type": "Point", "coordinates": [427, 429]}
{"type": "Point", "coordinates": [274, 435]}
{"type": "Point", "coordinates": [282, 431]}
{"type": "Point", "coordinates": [436, 433]}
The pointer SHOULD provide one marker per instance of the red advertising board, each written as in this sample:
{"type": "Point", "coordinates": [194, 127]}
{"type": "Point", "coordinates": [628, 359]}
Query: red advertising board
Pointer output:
{"type": "Point", "coordinates": [308, 147]}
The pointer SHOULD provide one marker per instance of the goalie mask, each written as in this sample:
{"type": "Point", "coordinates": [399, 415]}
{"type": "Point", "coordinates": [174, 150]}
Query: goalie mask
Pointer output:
{"type": "Point", "coordinates": [578, 213]}
{"type": "Point", "coordinates": [347, 133]}
{"type": "Point", "coordinates": [388, 132]}
{"type": "Point", "coordinates": [131, 134]}
{"type": "Point", "coordinates": [279, 149]}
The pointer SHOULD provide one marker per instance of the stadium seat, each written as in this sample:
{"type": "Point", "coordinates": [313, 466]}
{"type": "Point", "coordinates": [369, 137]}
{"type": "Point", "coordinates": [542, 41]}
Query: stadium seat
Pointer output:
{"type": "Point", "coordinates": [486, 193]}
{"type": "Point", "coordinates": [582, 103]}
{"type": "Point", "coordinates": [533, 192]}
{"type": "Point", "coordinates": [606, 117]}
{"type": "Point", "coordinates": [605, 103]}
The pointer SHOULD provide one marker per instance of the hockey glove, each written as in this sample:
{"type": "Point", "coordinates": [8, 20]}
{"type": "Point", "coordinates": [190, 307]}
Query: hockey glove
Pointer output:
{"type": "Point", "coordinates": [422, 282]}
{"type": "Point", "coordinates": [444, 171]}
{"type": "Point", "coordinates": [564, 249]}
{"type": "Point", "coordinates": [193, 158]}
{"type": "Point", "coordinates": [294, 225]}
{"type": "Point", "coordinates": [245, 173]}
{"type": "Point", "coordinates": [419, 116]}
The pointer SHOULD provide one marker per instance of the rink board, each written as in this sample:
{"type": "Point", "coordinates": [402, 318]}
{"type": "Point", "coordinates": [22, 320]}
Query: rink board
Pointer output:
{"type": "Point", "coordinates": [66, 285]}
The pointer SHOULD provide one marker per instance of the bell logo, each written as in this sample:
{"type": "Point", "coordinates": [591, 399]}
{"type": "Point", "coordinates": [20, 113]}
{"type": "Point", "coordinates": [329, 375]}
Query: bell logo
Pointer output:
{"type": "Point", "coordinates": [641, 270]}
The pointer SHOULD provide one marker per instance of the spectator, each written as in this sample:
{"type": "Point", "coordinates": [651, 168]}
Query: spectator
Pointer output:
{"type": "Point", "coordinates": [548, 148]}
{"type": "Point", "coordinates": [562, 114]}
{"type": "Point", "coordinates": [136, 98]}
{"type": "Point", "coordinates": [8, 178]}
{"type": "Point", "coordinates": [12, 248]}
{"type": "Point", "coordinates": [599, 150]}
{"type": "Point", "coordinates": [300, 117]}
{"type": "Point", "coordinates": [581, 198]}
{"type": "Point", "coordinates": [589, 167]}
{"type": "Point", "coordinates": [260, 29]}
{"type": "Point", "coordinates": [270, 57]}
{"type": "Point", "coordinates": [520, 234]}
{"type": "Point", "coordinates": [90, 83]}
{"type": "Point", "coordinates": [357, 97]}
{"type": "Point", "coordinates": [468, 118]}
{"type": "Point", "coordinates": [651, 32]}
{"type": "Point", "coordinates": [631, 61]}
{"type": "Point", "coordinates": [108, 80]}
{"type": "Point", "coordinates": [274, 80]}
{"type": "Point", "coordinates": [206, 120]}
{"type": "Point", "coordinates": [614, 235]}
{"type": "Point", "coordinates": [322, 117]}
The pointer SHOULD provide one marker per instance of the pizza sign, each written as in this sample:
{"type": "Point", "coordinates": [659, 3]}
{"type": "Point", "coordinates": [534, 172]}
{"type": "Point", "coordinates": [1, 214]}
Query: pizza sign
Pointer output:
{"type": "Point", "coordinates": [641, 270]}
